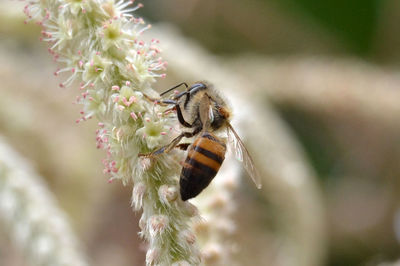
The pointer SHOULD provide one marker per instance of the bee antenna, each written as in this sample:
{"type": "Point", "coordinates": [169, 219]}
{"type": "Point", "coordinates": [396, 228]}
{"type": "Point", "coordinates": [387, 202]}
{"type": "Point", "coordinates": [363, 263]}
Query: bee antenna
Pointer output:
{"type": "Point", "coordinates": [176, 86]}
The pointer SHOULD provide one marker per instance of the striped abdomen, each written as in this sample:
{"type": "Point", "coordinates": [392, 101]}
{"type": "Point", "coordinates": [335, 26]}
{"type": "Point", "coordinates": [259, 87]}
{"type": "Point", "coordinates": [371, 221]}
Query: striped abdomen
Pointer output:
{"type": "Point", "coordinates": [204, 159]}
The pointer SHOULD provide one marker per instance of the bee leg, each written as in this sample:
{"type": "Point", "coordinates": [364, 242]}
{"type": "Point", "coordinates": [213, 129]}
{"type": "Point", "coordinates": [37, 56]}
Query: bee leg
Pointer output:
{"type": "Point", "coordinates": [176, 107]}
{"type": "Point", "coordinates": [170, 146]}
{"type": "Point", "coordinates": [183, 146]}
{"type": "Point", "coordinates": [159, 101]}
{"type": "Point", "coordinates": [150, 99]}
{"type": "Point", "coordinates": [174, 87]}
{"type": "Point", "coordinates": [173, 102]}
{"type": "Point", "coordinates": [193, 89]}
{"type": "Point", "coordinates": [180, 117]}
{"type": "Point", "coordinates": [176, 140]}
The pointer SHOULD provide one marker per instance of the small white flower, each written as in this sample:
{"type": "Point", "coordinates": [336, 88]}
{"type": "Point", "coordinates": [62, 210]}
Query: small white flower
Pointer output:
{"type": "Point", "coordinates": [181, 263]}
{"type": "Point", "coordinates": [153, 132]}
{"type": "Point", "coordinates": [129, 101]}
{"type": "Point", "coordinates": [59, 31]}
{"type": "Point", "coordinates": [212, 253]}
{"type": "Point", "coordinates": [168, 194]}
{"type": "Point", "coordinates": [95, 103]}
{"type": "Point", "coordinates": [77, 6]}
{"type": "Point", "coordinates": [111, 34]}
{"type": "Point", "coordinates": [152, 256]}
{"type": "Point", "coordinates": [137, 195]}
{"type": "Point", "coordinates": [188, 236]}
{"type": "Point", "coordinates": [96, 68]}
{"type": "Point", "coordinates": [157, 224]}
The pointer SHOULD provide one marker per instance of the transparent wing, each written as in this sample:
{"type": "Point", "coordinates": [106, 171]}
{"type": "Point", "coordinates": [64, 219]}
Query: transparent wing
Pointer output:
{"type": "Point", "coordinates": [205, 111]}
{"type": "Point", "coordinates": [243, 155]}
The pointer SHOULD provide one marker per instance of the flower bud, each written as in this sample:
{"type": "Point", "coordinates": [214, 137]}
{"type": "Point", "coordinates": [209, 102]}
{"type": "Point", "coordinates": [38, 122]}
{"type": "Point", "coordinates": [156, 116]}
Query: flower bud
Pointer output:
{"type": "Point", "coordinates": [181, 263]}
{"type": "Point", "coordinates": [152, 256]}
{"type": "Point", "coordinates": [137, 195]}
{"type": "Point", "coordinates": [157, 224]}
{"type": "Point", "coordinates": [212, 253]}
{"type": "Point", "coordinates": [188, 236]}
{"type": "Point", "coordinates": [167, 194]}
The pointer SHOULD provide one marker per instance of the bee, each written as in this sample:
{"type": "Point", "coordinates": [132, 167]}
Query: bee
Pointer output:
{"type": "Point", "coordinates": [202, 109]}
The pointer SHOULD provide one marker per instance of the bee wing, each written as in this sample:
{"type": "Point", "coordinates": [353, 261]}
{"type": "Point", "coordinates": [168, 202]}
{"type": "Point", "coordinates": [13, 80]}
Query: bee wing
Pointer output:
{"type": "Point", "coordinates": [205, 111]}
{"type": "Point", "coordinates": [243, 156]}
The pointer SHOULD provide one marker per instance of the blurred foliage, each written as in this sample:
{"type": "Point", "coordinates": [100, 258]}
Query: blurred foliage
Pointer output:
{"type": "Point", "coordinates": [319, 145]}
{"type": "Point", "coordinates": [330, 158]}
{"type": "Point", "coordinates": [232, 26]}
{"type": "Point", "coordinates": [354, 21]}
{"type": "Point", "coordinates": [363, 28]}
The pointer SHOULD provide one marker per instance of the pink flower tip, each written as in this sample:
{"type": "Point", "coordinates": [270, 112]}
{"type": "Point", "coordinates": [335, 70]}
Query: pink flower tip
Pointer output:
{"type": "Point", "coordinates": [134, 116]}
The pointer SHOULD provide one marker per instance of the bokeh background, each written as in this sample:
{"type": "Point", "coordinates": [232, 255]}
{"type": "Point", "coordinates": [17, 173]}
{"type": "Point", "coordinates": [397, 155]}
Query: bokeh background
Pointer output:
{"type": "Point", "coordinates": [328, 68]}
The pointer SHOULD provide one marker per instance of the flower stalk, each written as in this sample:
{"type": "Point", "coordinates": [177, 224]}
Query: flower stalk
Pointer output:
{"type": "Point", "coordinates": [29, 213]}
{"type": "Point", "coordinates": [98, 44]}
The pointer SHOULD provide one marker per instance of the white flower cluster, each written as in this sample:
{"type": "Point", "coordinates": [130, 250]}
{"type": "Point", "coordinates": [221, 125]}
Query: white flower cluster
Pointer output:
{"type": "Point", "coordinates": [97, 41]}
{"type": "Point", "coordinates": [29, 213]}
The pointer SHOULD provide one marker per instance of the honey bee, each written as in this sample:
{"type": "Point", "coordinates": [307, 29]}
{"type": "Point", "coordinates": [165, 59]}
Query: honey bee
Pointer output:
{"type": "Point", "coordinates": [202, 109]}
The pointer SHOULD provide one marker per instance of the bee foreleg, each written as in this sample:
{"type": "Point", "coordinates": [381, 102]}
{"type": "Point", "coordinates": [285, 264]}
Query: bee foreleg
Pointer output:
{"type": "Point", "coordinates": [150, 99]}
{"type": "Point", "coordinates": [174, 87]}
{"type": "Point", "coordinates": [180, 117]}
{"type": "Point", "coordinates": [160, 101]}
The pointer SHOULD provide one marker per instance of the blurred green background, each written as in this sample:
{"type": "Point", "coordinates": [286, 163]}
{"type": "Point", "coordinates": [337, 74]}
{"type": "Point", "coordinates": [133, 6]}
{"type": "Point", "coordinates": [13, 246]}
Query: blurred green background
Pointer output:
{"type": "Point", "coordinates": [365, 28]}
{"type": "Point", "coordinates": [330, 69]}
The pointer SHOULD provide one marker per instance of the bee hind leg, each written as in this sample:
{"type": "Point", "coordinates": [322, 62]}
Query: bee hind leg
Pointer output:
{"type": "Point", "coordinates": [170, 146]}
{"type": "Point", "coordinates": [183, 146]}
